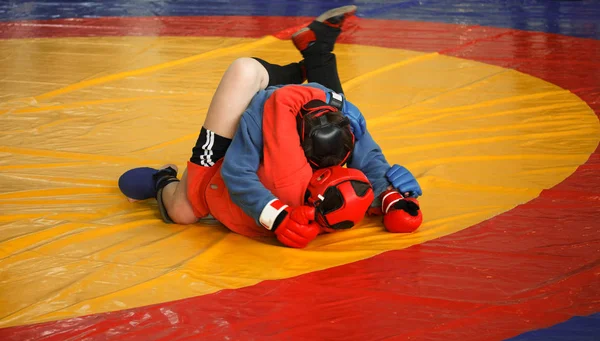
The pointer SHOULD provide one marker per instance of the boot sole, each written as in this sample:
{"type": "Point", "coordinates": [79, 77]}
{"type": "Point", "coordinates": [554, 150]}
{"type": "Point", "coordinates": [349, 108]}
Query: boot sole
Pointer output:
{"type": "Point", "coordinates": [334, 12]}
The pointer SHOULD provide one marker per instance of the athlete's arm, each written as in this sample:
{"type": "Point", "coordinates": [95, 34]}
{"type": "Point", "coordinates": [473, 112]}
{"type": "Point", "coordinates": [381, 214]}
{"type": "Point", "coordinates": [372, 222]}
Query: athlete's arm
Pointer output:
{"type": "Point", "coordinates": [368, 157]}
{"type": "Point", "coordinates": [240, 165]}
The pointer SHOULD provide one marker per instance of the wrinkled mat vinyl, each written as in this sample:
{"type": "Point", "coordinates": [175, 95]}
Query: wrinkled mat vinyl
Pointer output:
{"type": "Point", "coordinates": [499, 125]}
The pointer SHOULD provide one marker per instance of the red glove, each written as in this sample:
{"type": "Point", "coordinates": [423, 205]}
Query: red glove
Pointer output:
{"type": "Point", "coordinates": [294, 227]}
{"type": "Point", "coordinates": [400, 215]}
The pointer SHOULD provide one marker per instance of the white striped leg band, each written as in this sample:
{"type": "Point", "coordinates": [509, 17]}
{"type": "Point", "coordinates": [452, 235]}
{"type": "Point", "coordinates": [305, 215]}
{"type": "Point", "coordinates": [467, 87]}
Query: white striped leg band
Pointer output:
{"type": "Point", "coordinates": [210, 148]}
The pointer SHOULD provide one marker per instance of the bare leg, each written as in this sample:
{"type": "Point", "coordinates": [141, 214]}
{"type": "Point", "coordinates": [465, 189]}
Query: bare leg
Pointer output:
{"type": "Point", "coordinates": [175, 199]}
{"type": "Point", "coordinates": [242, 80]}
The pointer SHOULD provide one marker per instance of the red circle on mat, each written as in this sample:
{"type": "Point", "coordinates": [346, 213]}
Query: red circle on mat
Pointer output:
{"type": "Point", "coordinates": [483, 283]}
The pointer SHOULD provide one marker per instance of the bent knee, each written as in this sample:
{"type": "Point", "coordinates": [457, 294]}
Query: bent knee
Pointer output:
{"type": "Point", "coordinates": [245, 65]}
{"type": "Point", "coordinates": [250, 71]}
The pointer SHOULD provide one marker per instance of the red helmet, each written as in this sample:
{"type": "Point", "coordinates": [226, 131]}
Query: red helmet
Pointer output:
{"type": "Point", "coordinates": [340, 195]}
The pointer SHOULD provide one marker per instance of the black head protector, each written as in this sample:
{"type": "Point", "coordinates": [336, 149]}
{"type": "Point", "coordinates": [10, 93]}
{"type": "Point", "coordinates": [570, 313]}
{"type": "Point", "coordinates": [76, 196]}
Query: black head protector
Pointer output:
{"type": "Point", "coordinates": [327, 139]}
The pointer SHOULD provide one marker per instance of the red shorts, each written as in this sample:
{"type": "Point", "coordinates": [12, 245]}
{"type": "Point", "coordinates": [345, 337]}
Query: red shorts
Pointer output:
{"type": "Point", "coordinates": [207, 193]}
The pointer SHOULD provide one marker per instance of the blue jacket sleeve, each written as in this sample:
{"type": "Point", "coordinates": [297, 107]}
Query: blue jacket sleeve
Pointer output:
{"type": "Point", "coordinates": [240, 165]}
{"type": "Point", "coordinates": [368, 158]}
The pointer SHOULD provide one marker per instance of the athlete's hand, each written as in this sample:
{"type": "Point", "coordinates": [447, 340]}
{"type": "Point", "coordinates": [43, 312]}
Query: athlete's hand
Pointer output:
{"type": "Point", "coordinates": [294, 226]}
{"type": "Point", "coordinates": [400, 215]}
{"type": "Point", "coordinates": [403, 180]}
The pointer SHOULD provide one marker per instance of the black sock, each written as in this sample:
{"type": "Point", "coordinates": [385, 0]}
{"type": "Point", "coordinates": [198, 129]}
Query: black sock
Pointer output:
{"type": "Point", "coordinates": [164, 177]}
{"type": "Point", "coordinates": [322, 68]}
{"type": "Point", "coordinates": [282, 75]}
{"type": "Point", "coordinates": [209, 148]}
{"type": "Point", "coordinates": [325, 34]}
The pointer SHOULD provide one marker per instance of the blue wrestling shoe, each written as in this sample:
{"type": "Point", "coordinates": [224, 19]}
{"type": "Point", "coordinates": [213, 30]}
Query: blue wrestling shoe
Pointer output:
{"type": "Point", "coordinates": [145, 182]}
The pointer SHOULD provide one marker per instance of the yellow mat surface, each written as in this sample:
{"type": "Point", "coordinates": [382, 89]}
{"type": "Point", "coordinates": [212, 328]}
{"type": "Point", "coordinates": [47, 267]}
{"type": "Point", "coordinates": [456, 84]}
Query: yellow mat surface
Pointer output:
{"type": "Point", "coordinates": [78, 112]}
